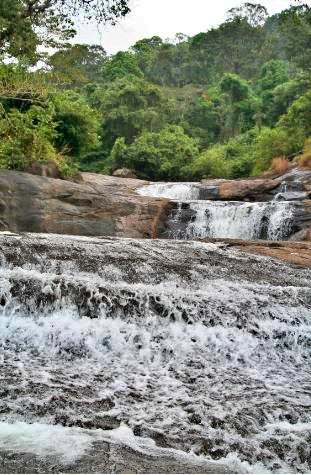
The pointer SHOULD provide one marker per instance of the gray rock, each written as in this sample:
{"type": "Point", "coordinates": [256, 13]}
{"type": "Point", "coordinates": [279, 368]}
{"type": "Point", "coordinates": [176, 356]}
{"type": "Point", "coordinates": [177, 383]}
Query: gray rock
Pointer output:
{"type": "Point", "coordinates": [124, 173]}
{"type": "Point", "coordinates": [97, 205]}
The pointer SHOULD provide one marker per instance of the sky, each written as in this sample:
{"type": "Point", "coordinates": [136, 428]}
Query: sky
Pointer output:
{"type": "Point", "coordinates": [163, 18]}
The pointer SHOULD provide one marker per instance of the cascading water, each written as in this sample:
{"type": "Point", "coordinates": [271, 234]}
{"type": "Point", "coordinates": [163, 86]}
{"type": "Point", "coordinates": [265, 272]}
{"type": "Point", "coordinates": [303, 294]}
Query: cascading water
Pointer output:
{"type": "Point", "coordinates": [239, 220]}
{"type": "Point", "coordinates": [174, 349]}
{"type": "Point", "coordinates": [173, 191]}
{"type": "Point", "coordinates": [192, 217]}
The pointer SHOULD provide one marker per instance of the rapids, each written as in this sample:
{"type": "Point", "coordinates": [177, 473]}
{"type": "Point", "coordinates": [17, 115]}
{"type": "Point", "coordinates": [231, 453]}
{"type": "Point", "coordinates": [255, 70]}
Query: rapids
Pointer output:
{"type": "Point", "coordinates": [194, 349]}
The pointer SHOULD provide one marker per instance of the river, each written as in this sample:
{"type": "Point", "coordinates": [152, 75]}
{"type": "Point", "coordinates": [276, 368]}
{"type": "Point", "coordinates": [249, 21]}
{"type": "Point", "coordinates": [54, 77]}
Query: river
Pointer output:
{"type": "Point", "coordinates": [163, 355]}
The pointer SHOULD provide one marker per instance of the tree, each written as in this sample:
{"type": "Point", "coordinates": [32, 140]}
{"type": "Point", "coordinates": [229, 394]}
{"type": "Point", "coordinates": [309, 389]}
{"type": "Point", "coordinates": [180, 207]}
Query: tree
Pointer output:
{"type": "Point", "coordinates": [297, 121]}
{"type": "Point", "coordinates": [20, 89]}
{"type": "Point", "coordinates": [26, 137]}
{"type": "Point", "coordinates": [27, 24]}
{"type": "Point", "coordinates": [162, 67]}
{"type": "Point", "coordinates": [77, 64]}
{"type": "Point", "coordinates": [145, 51]}
{"type": "Point", "coordinates": [147, 44]}
{"type": "Point", "coordinates": [237, 106]}
{"type": "Point", "coordinates": [284, 95]}
{"type": "Point", "coordinates": [123, 64]}
{"type": "Point", "coordinates": [295, 28]}
{"type": "Point", "coordinates": [235, 87]}
{"type": "Point", "coordinates": [128, 106]}
{"type": "Point", "coordinates": [156, 156]}
{"type": "Point", "coordinates": [201, 121]}
{"type": "Point", "coordinates": [234, 47]}
{"type": "Point", "coordinates": [254, 13]}
{"type": "Point", "coordinates": [273, 74]}
{"type": "Point", "coordinates": [77, 125]}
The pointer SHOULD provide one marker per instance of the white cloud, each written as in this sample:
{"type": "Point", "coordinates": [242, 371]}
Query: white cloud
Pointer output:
{"type": "Point", "coordinates": [164, 18]}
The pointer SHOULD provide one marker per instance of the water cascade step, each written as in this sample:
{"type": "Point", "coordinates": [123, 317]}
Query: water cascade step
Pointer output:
{"type": "Point", "coordinates": [236, 220]}
{"type": "Point", "coordinates": [193, 216]}
{"type": "Point", "coordinates": [119, 351]}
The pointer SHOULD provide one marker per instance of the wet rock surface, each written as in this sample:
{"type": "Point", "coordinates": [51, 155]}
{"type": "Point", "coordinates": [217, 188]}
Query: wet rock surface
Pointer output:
{"type": "Point", "coordinates": [192, 347]}
{"type": "Point", "coordinates": [272, 208]}
{"type": "Point", "coordinates": [99, 452]}
{"type": "Point", "coordinates": [274, 221]}
{"type": "Point", "coordinates": [96, 205]}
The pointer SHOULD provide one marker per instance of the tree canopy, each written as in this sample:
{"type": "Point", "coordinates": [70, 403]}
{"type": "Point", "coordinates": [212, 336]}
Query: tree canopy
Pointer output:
{"type": "Point", "coordinates": [222, 103]}
{"type": "Point", "coordinates": [27, 24]}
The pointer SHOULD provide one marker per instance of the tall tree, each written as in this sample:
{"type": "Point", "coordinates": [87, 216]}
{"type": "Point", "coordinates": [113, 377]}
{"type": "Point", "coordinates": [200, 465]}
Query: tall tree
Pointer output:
{"type": "Point", "coordinates": [123, 64]}
{"type": "Point", "coordinates": [77, 64]}
{"type": "Point", "coordinates": [254, 13]}
{"type": "Point", "coordinates": [128, 106]}
{"type": "Point", "coordinates": [295, 28]}
{"type": "Point", "coordinates": [26, 24]}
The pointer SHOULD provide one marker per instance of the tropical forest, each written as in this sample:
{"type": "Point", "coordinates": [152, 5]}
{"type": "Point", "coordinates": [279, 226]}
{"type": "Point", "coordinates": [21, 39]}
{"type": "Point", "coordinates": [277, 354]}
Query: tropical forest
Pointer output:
{"type": "Point", "coordinates": [223, 103]}
{"type": "Point", "coordinates": [155, 237]}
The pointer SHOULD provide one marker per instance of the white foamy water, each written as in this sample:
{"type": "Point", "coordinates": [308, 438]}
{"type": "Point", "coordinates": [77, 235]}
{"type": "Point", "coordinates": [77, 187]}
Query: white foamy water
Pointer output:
{"type": "Point", "coordinates": [63, 447]}
{"type": "Point", "coordinates": [238, 220]}
{"type": "Point", "coordinates": [44, 441]}
{"type": "Point", "coordinates": [195, 218]}
{"type": "Point", "coordinates": [173, 191]}
{"type": "Point", "coordinates": [209, 356]}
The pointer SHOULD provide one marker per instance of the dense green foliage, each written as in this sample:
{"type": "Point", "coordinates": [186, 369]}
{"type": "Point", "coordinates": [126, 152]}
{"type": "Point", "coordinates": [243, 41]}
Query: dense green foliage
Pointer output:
{"type": "Point", "coordinates": [159, 155]}
{"type": "Point", "coordinates": [223, 103]}
{"type": "Point", "coordinates": [27, 24]}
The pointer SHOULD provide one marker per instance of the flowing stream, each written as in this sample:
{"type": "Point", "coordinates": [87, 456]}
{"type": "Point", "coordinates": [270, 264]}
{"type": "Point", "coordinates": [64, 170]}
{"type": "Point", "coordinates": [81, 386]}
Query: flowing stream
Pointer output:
{"type": "Point", "coordinates": [191, 354]}
{"type": "Point", "coordinates": [193, 217]}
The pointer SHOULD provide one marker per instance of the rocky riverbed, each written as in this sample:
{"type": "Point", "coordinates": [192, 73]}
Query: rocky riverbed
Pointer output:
{"type": "Point", "coordinates": [134, 355]}
{"type": "Point", "coordinates": [126, 355]}
{"type": "Point", "coordinates": [95, 205]}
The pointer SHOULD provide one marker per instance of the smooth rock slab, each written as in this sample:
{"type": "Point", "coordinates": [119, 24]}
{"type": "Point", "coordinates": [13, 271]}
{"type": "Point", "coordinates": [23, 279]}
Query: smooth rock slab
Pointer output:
{"type": "Point", "coordinates": [97, 205]}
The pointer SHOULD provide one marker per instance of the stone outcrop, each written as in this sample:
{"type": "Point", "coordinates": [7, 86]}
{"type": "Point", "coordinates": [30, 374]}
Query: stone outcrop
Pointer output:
{"type": "Point", "coordinates": [298, 253]}
{"type": "Point", "coordinates": [258, 188]}
{"type": "Point", "coordinates": [124, 173]}
{"type": "Point", "coordinates": [48, 169]}
{"type": "Point", "coordinates": [95, 205]}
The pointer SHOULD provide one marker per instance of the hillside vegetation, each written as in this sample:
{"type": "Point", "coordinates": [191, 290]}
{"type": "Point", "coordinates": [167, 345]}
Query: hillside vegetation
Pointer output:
{"type": "Point", "coordinates": [230, 102]}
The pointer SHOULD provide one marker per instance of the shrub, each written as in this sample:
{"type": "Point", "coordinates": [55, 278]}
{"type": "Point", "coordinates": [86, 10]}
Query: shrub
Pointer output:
{"type": "Point", "coordinates": [77, 124]}
{"type": "Point", "coordinates": [156, 155]}
{"type": "Point", "coordinates": [304, 160]}
{"type": "Point", "coordinates": [211, 163]}
{"type": "Point", "coordinates": [271, 143]}
{"type": "Point", "coordinates": [280, 165]}
{"type": "Point", "coordinates": [26, 137]}
{"type": "Point", "coordinates": [241, 168]}
{"type": "Point", "coordinates": [92, 162]}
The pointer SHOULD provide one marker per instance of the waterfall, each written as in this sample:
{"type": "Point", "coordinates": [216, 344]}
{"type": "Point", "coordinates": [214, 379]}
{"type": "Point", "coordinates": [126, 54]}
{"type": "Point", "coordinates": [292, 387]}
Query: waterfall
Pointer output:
{"type": "Point", "coordinates": [238, 220]}
{"type": "Point", "coordinates": [171, 348]}
{"type": "Point", "coordinates": [173, 191]}
{"type": "Point", "coordinates": [284, 187]}
{"type": "Point", "coordinates": [194, 218]}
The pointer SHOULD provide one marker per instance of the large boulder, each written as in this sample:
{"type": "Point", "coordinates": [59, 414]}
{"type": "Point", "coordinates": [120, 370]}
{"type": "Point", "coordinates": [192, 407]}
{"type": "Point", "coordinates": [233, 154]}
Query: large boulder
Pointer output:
{"type": "Point", "coordinates": [48, 169]}
{"type": "Point", "coordinates": [124, 173]}
{"type": "Point", "coordinates": [95, 205]}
